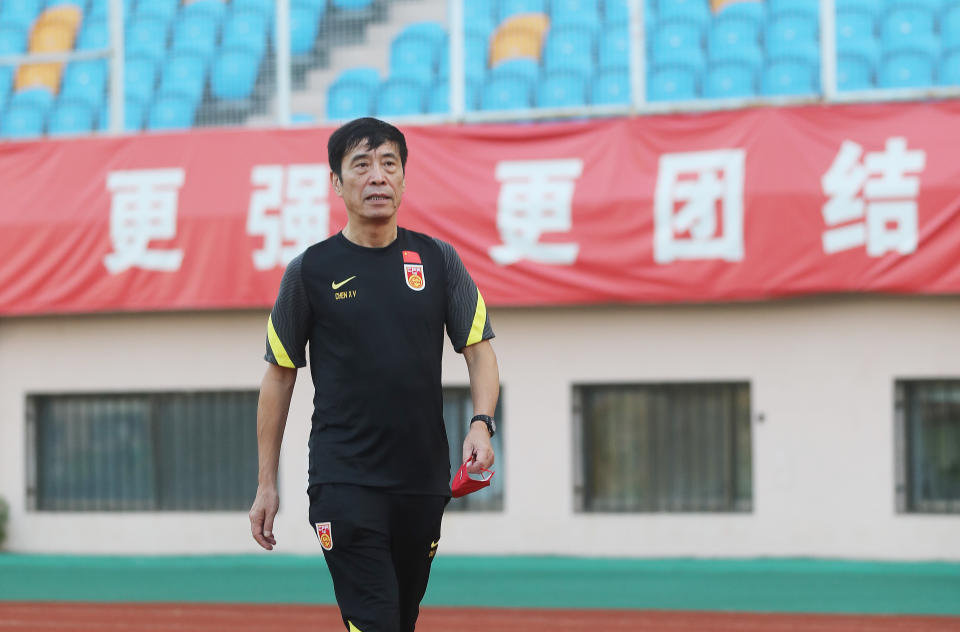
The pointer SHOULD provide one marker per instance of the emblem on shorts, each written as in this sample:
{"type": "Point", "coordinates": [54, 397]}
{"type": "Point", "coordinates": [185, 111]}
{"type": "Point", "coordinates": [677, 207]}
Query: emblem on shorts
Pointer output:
{"type": "Point", "coordinates": [413, 270]}
{"type": "Point", "coordinates": [433, 549]}
{"type": "Point", "coordinates": [325, 533]}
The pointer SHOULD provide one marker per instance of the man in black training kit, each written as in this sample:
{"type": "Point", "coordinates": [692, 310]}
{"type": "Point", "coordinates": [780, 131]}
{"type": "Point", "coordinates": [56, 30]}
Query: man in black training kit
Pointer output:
{"type": "Point", "coordinates": [373, 301]}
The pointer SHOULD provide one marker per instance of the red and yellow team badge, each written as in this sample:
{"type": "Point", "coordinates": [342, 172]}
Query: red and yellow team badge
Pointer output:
{"type": "Point", "coordinates": [413, 270]}
{"type": "Point", "coordinates": [325, 533]}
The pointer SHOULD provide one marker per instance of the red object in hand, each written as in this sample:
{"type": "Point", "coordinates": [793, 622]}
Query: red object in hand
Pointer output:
{"type": "Point", "coordinates": [464, 482]}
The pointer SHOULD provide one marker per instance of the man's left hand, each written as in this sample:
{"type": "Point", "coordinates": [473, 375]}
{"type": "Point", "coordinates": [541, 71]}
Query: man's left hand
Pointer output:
{"type": "Point", "coordinates": [477, 444]}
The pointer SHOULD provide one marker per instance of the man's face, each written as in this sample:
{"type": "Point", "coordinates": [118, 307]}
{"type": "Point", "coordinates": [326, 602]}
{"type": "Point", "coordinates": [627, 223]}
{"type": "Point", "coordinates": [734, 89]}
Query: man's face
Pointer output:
{"type": "Point", "coordinates": [372, 181]}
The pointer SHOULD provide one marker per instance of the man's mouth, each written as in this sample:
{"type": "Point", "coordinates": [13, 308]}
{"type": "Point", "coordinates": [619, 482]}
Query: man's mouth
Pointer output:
{"type": "Point", "coordinates": [378, 197]}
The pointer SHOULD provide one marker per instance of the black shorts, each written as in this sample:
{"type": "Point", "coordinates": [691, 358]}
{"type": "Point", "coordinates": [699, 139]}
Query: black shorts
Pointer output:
{"type": "Point", "coordinates": [378, 547]}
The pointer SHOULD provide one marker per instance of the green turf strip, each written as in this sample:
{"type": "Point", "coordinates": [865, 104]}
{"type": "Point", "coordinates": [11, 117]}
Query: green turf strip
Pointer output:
{"type": "Point", "coordinates": [763, 585]}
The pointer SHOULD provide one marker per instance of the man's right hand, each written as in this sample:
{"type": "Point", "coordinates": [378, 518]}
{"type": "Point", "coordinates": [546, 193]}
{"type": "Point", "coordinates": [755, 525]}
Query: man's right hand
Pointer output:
{"type": "Point", "coordinates": [264, 510]}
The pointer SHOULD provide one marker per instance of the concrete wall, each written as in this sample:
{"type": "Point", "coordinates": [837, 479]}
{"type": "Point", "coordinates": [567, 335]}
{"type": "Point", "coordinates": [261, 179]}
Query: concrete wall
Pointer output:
{"type": "Point", "coordinates": [821, 371]}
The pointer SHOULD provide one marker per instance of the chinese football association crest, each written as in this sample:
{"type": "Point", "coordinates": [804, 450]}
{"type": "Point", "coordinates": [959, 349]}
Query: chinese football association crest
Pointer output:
{"type": "Point", "coordinates": [413, 270]}
{"type": "Point", "coordinates": [325, 533]}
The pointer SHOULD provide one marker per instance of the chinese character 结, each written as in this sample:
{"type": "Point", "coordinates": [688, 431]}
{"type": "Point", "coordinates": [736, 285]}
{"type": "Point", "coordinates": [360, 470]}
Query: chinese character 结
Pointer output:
{"type": "Point", "coordinates": [289, 209]}
{"type": "Point", "coordinates": [877, 189]}
{"type": "Point", "coordinates": [144, 208]}
{"type": "Point", "coordinates": [698, 206]}
{"type": "Point", "coordinates": [536, 197]}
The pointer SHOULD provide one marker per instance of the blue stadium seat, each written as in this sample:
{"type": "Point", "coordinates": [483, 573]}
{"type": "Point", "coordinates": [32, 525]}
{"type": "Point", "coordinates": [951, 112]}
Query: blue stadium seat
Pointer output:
{"type": "Point", "coordinates": [265, 8]}
{"type": "Point", "coordinates": [616, 12]}
{"type": "Point", "coordinates": [867, 51]}
{"type": "Point", "coordinates": [948, 72]}
{"type": "Point", "coordinates": [729, 80]}
{"type": "Point", "coordinates": [85, 82]}
{"type": "Point", "coordinates": [214, 9]}
{"type": "Point", "coordinates": [671, 84]}
{"type": "Point", "coordinates": [146, 38]}
{"type": "Point", "coordinates": [527, 69]}
{"type": "Point", "coordinates": [163, 10]}
{"type": "Point", "coordinates": [21, 122]}
{"type": "Point", "coordinates": [753, 12]}
{"type": "Point", "coordinates": [611, 87]}
{"type": "Point", "coordinates": [805, 52]}
{"type": "Point", "coordinates": [438, 99]}
{"type": "Point", "coordinates": [413, 57]}
{"type": "Point", "coordinates": [139, 77]}
{"type": "Point", "coordinates": [349, 100]}
{"type": "Point", "coordinates": [478, 10]}
{"type": "Point", "coordinates": [304, 26]}
{"type": "Point", "coordinates": [70, 117]}
{"type": "Point", "coordinates": [901, 28]}
{"type": "Point", "coordinates": [723, 33]}
{"type": "Point", "coordinates": [432, 32]}
{"type": "Point", "coordinates": [234, 75]}
{"type": "Point", "coordinates": [932, 6]}
{"type": "Point", "coordinates": [13, 39]}
{"type": "Point", "coordinates": [950, 29]}
{"type": "Point", "coordinates": [569, 50]}
{"type": "Point", "coordinates": [613, 51]}
{"type": "Point", "coordinates": [870, 7]}
{"type": "Point", "coordinates": [561, 90]}
{"type": "Point", "coordinates": [516, 7]}
{"type": "Point", "coordinates": [171, 112]}
{"type": "Point", "coordinates": [481, 27]}
{"type": "Point", "coordinates": [20, 12]}
{"type": "Point", "coordinates": [475, 51]}
{"type": "Point", "coordinates": [195, 34]}
{"type": "Point", "coordinates": [6, 85]}
{"type": "Point", "coordinates": [854, 73]}
{"type": "Point", "coordinates": [852, 25]}
{"type": "Point", "coordinates": [788, 78]}
{"type": "Point", "coordinates": [184, 76]}
{"type": "Point", "coordinates": [94, 35]}
{"type": "Point", "coordinates": [580, 13]}
{"type": "Point", "coordinates": [694, 11]}
{"type": "Point", "coordinates": [365, 75]}
{"type": "Point", "coordinates": [39, 99]}
{"type": "Point", "coordinates": [80, 4]}
{"type": "Point", "coordinates": [399, 97]}
{"type": "Point", "coordinates": [351, 5]}
{"type": "Point", "coordinates": [100, 8]}
{"type": "Point", "coordinates": [245, 31]}
{"type": "Point", "coordinates": [678, 44]}
{"type": "Point", "coordinates": [906, 70]}
{"type": "Point", "coordinates": [809, 8]}
{"type": "Point", "coordinates": [791, 29]}
{"type": "Point", "coordinates": [746, 54]}
{"type": "Point", "coordinates": [506, 93]}
{"type": "Point", "coordinates": [133, 114]}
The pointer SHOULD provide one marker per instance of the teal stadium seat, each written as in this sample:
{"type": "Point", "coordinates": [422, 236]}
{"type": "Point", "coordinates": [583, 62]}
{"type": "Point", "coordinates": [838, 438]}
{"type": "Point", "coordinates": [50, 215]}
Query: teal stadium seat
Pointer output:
{"type": "Point", "coordinates": [351, 5]}
{"type": "Point", "coordinates": [304, 26]}
{"type": "Point", "coordinates": [6, 85]}
{"type": "Point", "coordinates": [414, 58]}
{"type": "Point", "coordinates": [195, 34]}
{"type": "Point", "coordinates": [569, 50]}
{"type": "Point", "coordinates": [510, 8]}
{"type": "Point", "coordinates": [13, 39]}
{"type": "Point", "coordinates": [754, 13]}
{"type": "Point", "coordinates": [509, 92]}
{"type": "Point", "coordinates": [854, 25]}
{"type": "Point", "coordinates": [526, 69]}
{"type": "Point", "coordinates": [788, 78]}
{"type": "Point", "coordinates": [617, 13]}
{"type": "Point", "coordinates": [561, 89]}
{"type": "Point", "coordinates": [807, 8]}
{"type": "Point", "coordinates": [184, 76]}
{"type": "Point", "coordinates": [99, 9]}
{"type": "Point", "coordinates": [950, 29]}
{"type": "Point", "coordinates": [854, 73]}
{"type": "Point", "coordinates": [582, 14]}
{"type": "Point", "coordinates": [948, 71]}
{"type": "Point", "coordinates": [163, 10]}
{"type": "Point", "coordinates": [671, 84]}
{"type": "Point", "coordinates": [246, 31]}
{"type": "Point", "coordinates": [906, 70]}
{"type": "Point", "coordinates": [613, 52]}
{"type": "Point", "coordinates": [348, 99]}
{"type": "Point", "coordinates": [94, 34]}
{"type": "Point", "coordinates": [610, 87]}
{"type": "Point", "coordinates": [146, 37]}
{"type": "Point", "coordinates": [902, 28]}
{"type": "Point", "coordinates": [365, 75]}
{"type": "Point", "coordinates": [678, 45]}
{"type": "Point", "coordinates": [696, 12]}
{"type": "Point", "coordinates": [20, 12]}
{"type": "Point", "coordinates": [399, 97]}
{"type": "Point", "coordinates": [39, 99]}
{"type": "Point", "coordinates": [139, 79]}
{"type": "Point", "coordinates": [265, 8]}
{"type": "Point", "coordinates": [70, 117]}
{"type": "Point", "coordinates": [213, 9]}
{"type": "Point", "coordinates": [438, 99]}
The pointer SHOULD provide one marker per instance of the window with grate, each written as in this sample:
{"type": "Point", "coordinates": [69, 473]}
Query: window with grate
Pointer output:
{"type": "Point", "coordinates": [189, 451]}
{"type": "Point", "coordinates": [663, 447]}
{"type": "Point", "coordinates": [928, 446]}
{"type": "Point", "coordinates": [457, 411]}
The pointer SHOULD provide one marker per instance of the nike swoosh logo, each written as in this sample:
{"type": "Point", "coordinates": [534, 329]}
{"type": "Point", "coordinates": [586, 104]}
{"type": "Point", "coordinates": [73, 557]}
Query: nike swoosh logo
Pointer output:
{"type": "Point", "coordinates": [336, 285]}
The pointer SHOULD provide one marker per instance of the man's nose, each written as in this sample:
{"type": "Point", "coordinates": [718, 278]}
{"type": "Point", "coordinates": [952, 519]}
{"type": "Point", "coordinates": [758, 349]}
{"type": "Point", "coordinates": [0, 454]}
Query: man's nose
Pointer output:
{"type": "Point", "coordinates": [377, 174]}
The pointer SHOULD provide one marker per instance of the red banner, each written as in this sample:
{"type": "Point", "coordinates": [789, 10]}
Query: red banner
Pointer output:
{"type": "Point", "coordinates": [738, 205]}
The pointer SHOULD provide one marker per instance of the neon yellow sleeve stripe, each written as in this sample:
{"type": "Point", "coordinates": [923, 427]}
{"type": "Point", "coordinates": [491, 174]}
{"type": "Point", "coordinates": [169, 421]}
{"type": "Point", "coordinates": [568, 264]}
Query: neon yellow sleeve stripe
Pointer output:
{"type": "Point", "coordinates": [479, 320]}
{"type": "Point", "coordinates": [353, 628]}
{"type": "Point", "coordinates": [276, 346]}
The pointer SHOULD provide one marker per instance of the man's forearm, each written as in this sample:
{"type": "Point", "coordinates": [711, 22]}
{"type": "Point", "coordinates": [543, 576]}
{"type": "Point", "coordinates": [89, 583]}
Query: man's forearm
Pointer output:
{"type": "Point", "coordinates": [276, 389]}
{"type": "Point", "coordinates": [484, 377]}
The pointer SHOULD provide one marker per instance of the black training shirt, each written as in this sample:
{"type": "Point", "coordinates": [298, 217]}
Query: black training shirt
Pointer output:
{"type": "Point", "coordinates": [375, 318]}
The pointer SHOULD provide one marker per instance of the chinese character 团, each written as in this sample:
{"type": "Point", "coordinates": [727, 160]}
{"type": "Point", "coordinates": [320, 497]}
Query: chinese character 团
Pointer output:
{"type": "Point", "coordinates": [536, 197]}
{"type": "Point", "coordinates": [289, 205]}
{"type": "Point", "coordinates": [144, 208]}
{"type": "Point", "coordinates": [697, 229]}
{"type": "Point", "coordinates": [888, 201]}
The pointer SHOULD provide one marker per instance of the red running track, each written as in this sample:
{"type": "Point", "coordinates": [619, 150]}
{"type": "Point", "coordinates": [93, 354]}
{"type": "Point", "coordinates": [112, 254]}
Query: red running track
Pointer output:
{"type": "Point", "coordinates": [47, 616]}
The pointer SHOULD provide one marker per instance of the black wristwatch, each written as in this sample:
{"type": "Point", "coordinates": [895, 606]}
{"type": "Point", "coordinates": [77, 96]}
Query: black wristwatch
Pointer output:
{"type": "Point", "coordinates": [488, 420]}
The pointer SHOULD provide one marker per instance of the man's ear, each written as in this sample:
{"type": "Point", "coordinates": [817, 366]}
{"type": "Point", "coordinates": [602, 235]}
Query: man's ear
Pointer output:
{"type": "Point", "coordinates": [337, 184]}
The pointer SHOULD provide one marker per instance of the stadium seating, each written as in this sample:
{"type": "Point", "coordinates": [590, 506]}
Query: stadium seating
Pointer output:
{"type": "Point", "coordinates": [611, 87]}
{"type": "Point", "coordinates": [171, 112]}
{"type": "Point", "coordinates": [21, 122]}
{"type": "Point", "coordinates": [672, 84]}
{"type": "Point", "coordinates": [398, 97]}
{"type": "Point", "coordinates": [70, 117]}
{"type": "Point", "coordinates": [348, 99]}
{"type": "Point", "coordinates": [85, 82]}
{"type": "Point", "coordinates": [729, 80]}
{"type": "Point", "coordinates": [234, 75]}
{"type": "Point", "coordinates": [561, 89]}
{"type": "Point", "coordinates": [508, 92]}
